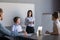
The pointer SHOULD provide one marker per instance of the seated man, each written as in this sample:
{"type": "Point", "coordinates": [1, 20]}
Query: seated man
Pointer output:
{"type": "Point", "coordinates": [17, 29]}
{"type": "Point", "coordinates": [56, 24]}
{"type": "Point", "coordinates": [3, 31]}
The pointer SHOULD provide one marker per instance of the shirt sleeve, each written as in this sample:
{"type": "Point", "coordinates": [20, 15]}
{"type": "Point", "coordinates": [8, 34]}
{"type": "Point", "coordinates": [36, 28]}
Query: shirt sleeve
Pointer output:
{"type": "Point", "coordinates": [19, 29]}
{"type": "Point", "coordinates": [26, 21]}
{"type": "Point", "coordinates": [13, 28]}
{"type": "Point", "coordinates": [5, 30]}
{"type": "Point", "coordinates": [58, 24]}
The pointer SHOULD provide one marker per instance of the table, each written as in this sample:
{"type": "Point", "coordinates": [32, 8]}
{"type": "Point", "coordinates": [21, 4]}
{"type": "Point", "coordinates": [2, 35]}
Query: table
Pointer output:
{"type": "Point", "coordinates": [32, 37]}
{"type": "Point", "coordinates": [46, 37]}
{"type": "Point", "coordinates": [51, 37]}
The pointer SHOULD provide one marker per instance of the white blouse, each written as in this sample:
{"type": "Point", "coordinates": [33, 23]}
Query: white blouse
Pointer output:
{"type": "Point", "coordinates": [29, 19]}
{"type": "Point", "coordinates": [57, 22]}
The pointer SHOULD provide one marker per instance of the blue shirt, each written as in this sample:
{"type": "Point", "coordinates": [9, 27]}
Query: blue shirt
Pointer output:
{"type": "Point", "coordinates": [4, 30]}
{"type": "Point", "coordinates": [17, 28]}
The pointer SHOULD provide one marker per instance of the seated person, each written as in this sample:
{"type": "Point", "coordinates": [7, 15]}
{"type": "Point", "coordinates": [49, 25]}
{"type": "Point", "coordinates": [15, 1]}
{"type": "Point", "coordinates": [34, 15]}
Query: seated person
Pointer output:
{"type": "Point", "coordinates": [17, 27]}
{"type": "Point", "coordinates": [56, 24]}
{"type": "Point", "coordinates": [3, 31]}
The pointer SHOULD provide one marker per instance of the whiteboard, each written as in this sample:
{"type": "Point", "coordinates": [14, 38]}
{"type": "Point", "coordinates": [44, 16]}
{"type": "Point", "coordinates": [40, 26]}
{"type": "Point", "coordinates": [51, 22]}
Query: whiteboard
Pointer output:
{"type": "Point", "coordinates": [15, 9]}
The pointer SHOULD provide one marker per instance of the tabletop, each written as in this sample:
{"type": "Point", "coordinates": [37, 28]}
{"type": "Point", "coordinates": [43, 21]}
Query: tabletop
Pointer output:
{"type": "Point", "coordinates": [51, 37]}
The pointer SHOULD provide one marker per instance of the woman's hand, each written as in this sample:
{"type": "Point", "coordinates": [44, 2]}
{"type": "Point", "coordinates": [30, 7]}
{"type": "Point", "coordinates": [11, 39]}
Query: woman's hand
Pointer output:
{"type": "Point", "coordinates": [25, 33]}
{"type": "Point", "coordinates": [47, 32]}
{"type": "Point", "coordinates": [31, 22]}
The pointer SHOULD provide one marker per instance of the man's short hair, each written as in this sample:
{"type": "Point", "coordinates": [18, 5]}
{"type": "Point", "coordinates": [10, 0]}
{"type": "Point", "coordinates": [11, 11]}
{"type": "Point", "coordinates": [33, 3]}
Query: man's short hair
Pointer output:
{"type": "Point", "coordinates": [15, 19]}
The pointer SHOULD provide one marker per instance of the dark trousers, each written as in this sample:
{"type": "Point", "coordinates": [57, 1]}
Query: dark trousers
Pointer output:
{"type": "Point", "coordinates": [30, 29]}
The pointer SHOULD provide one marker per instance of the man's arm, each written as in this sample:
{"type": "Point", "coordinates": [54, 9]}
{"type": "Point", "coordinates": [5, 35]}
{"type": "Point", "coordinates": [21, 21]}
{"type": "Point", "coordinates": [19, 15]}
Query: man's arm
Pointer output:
{"type": "Point", "coordinates": [5, 31]}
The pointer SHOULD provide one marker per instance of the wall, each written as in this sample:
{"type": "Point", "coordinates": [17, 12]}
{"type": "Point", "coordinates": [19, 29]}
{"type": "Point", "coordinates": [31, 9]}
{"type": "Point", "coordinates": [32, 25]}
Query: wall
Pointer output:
{"type": "Point", "coordinates": [12, 10]}
{"type": "Point", "coordinates": [59, 4]}
{"type": "Point", "coordinates": [47, 23]}
{"type": "Point", "coordinates": [47, 18]}
{"type": "Point", "coordinates": [56, 5]}
{"type": "Point", "coordinates": [41, 6]}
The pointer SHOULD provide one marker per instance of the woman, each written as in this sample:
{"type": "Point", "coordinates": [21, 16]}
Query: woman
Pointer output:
{"type": "Point", "coordinates": [3, 30]}
{"type": "Point", "coordinates": [29, 22]}
{"type": "Point", "coordinates": [56, 24]}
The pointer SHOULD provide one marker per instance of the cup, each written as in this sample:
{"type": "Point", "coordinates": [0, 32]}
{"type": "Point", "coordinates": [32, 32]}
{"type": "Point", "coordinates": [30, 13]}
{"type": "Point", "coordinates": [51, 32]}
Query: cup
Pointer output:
{"type": "Point", "coordinates": [39, 31]}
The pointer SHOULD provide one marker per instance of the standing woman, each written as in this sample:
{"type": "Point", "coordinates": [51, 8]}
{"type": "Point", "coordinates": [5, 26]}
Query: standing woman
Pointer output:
{"type": "Point", "coordinates": [29, 22]}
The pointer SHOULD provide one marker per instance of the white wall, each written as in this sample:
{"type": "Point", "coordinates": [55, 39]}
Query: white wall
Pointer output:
{"type": "Point", "coordinates": [12, 10]}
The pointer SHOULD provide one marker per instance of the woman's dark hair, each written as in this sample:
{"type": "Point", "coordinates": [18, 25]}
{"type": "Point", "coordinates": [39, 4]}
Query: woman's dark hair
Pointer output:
{"type": "Point", "coordinates": [15, 19]}
{"type": "Point", "coordinates": [1, 10]}
{"type": "Point", "coordinates": [55, 15]}
{"type": "Point", "coordinates": [28, 13]}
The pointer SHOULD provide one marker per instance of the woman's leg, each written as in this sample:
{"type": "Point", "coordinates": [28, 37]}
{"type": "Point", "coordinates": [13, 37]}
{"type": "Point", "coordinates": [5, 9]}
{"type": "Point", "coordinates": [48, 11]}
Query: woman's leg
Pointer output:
{"type": "Point", "coordinates": [32, 29]}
